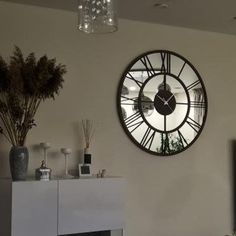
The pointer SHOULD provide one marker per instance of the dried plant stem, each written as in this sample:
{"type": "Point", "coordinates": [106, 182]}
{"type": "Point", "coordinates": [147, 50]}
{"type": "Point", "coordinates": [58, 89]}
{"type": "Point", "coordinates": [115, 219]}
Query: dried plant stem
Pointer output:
{"type": "Point", "coordinates": [12, 126]}
{"type": "Point", "coordinates": [32, 108]}
{"type": "Point", "coordinates": [13, 134]}
{"type": "Point", "coordinates": [8, 129]}
{"type": "Point", "coordinates": [8, 123]}
{"type": "Point", "coordinates": [88, 130]}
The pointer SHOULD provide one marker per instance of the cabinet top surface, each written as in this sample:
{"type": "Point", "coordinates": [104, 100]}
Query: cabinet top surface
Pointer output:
{"type": "Point", "coordinates": [56, 178]}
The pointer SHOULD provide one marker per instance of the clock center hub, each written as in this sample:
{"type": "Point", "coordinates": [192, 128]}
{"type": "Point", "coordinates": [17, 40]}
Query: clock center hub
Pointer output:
{"type": "Point", "coordinates": [164, 102]}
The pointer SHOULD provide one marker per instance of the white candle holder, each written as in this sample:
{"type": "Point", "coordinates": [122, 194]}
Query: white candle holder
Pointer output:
{"type": "Point", "coordinates": [66, 152]}
{"type": "Point", "coordinates": [45, 147]}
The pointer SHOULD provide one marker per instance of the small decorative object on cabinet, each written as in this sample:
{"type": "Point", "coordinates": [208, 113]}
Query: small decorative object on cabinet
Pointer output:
{"type": "Point", "coordinates": [87, 156]}
{"type": "Point", "coordinates": [101, 173]}
{"type": "Point", "coordinates": [167, 108]}
{"type": "Point", "coordinates": [66, 152]}
{"type": "Point", "coordinates": [84, 170]}
{"type": "Point", "coordinates": [45, 147]}
{"type": "Point", "coordinates": [88, 131]}
{"type": "Point", "coordinates": [25, 83]}
{"type": "Point", "coordinates": [43, 173]}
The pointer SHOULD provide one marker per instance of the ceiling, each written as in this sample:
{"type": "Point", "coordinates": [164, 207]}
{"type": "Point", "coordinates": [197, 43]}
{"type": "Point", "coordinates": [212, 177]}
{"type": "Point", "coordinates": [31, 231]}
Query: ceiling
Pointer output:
{"type": "Point", "coordinates": [209, 15]}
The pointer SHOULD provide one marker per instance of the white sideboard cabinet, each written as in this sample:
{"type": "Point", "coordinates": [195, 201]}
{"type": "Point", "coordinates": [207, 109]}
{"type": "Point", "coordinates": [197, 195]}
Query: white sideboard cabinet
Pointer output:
{"type": "Point", "coordinates": [61, 207]}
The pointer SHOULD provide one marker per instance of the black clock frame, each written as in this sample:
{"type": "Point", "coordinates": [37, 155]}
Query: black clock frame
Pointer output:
{"type": "Point", "coordinates": [119, 107]}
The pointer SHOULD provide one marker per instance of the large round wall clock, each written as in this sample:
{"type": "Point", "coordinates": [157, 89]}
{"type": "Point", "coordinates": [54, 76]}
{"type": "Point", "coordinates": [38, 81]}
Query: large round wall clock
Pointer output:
{"type": "Point", "coordinates": [162, 102]}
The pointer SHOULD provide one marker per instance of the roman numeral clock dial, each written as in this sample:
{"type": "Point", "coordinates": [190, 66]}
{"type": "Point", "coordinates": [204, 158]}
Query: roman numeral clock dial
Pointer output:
{"type": "Point", "coordinates": [162, 102]}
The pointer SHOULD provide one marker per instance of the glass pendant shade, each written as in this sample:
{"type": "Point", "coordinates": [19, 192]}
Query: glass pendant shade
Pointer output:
{"type": "Point", "coordinates": [125, 90]}
{"type": "Point", "coordinates": [147, 105]}
{"type": "Point", "coordinates": [97, 16]}
{"type": "Point", "coordinates": [162, 87]}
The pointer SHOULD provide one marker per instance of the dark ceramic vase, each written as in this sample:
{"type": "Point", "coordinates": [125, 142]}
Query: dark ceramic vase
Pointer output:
{"type": "Point", "coordinates": [19, 159]}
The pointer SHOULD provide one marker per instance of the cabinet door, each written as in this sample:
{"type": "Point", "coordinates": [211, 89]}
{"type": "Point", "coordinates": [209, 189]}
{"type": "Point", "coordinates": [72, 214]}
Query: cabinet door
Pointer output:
{"type": "Point", "coordinates": [34, 208]}
{"type": "Point", "coordinates": [87, 205]}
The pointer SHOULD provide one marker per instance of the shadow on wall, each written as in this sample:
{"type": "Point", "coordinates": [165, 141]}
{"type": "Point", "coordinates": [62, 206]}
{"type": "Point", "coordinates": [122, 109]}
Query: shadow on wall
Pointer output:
{"type": "Point", "coordinates": [233, 169]}
{"type": "Point", "coordinates": [77, 129]}
{"type": "Point", "coordinates": [4, 158]}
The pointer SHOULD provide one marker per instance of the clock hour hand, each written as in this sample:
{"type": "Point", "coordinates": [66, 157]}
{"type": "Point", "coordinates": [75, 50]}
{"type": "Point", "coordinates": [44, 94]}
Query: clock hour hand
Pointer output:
{"type": "Point", "coordinates": [162, 99]}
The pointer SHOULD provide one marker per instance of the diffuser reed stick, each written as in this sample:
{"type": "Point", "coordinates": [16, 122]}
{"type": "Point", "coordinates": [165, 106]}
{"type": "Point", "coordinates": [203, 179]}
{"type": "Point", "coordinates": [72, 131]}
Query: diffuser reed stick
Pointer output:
{"type": "Point", "coordinates": [88, 131]}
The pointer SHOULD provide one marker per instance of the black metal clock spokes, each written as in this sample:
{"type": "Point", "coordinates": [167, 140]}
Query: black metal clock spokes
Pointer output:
{"type": "Point", "coordinates": [165, 106]}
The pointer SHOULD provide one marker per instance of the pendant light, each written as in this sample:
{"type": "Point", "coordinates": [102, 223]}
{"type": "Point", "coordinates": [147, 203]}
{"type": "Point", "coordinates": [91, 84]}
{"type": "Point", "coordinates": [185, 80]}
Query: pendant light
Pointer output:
{"type": "Point", "coordinates": [147, 105]}
{"type": "Point", "coordinates": [97, 16]}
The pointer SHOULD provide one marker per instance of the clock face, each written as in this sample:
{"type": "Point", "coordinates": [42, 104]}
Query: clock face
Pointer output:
{"type": "Point", "coordinates": [162, 102]}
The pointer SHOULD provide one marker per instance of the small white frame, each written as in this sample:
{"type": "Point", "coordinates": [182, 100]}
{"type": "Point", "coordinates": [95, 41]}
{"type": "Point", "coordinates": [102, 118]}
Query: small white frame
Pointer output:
{"type": "Point", "coordinates": [85, 170]}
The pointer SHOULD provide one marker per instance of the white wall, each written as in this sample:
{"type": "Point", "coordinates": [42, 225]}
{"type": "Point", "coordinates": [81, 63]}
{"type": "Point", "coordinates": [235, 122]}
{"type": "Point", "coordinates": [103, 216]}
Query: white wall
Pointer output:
{"type": "Point", "coordinates": [184, 195]}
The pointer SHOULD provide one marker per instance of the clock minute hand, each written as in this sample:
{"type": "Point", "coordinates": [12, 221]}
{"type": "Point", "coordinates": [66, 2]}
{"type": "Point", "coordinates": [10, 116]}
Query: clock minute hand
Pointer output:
{"type": "Point", "coordinates": [170, 98]}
